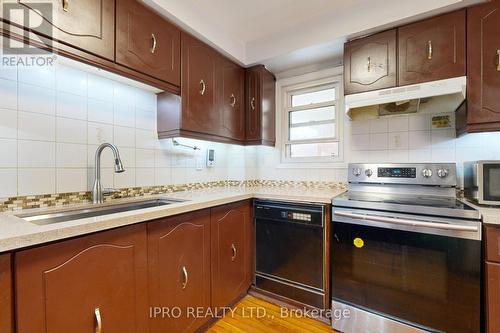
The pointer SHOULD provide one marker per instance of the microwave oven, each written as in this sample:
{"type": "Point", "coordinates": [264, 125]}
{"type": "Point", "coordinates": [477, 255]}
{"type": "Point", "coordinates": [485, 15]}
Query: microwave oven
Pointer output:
{"type": "Point", "coordinates": [482, 182]}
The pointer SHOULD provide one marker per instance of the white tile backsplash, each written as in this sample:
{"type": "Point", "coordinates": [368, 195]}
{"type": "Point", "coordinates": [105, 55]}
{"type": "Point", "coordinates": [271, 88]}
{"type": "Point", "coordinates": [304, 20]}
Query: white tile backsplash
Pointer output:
{"type": "Point", "coordinates": [36, 154]}
{"type": "Point", "coordinates": [35, 181]}
{"type": "Point", "coordinates": [71, 130]}
{"type": "Point", "coordinates": [8, 94]}
{"type": "Point", "coordinates": [8, 179]}
{"type": "Point", "coordinates": [34, 126]}
{"type": "Point", "coordinates": [50, 130]}
{"type": "Point", "coordinates": [36, 99]}
{"type": "Point", "coordinates": [8, 123]}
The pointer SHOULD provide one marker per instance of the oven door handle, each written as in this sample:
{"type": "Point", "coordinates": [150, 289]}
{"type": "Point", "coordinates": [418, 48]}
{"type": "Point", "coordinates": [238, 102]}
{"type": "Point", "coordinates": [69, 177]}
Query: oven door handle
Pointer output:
{"type": "Point", "coordinates": [407, 222]}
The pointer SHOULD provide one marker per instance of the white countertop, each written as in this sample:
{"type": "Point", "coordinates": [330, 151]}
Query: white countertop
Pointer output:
{"type": "Point", "coordinates": [16, 233]}
{"type": "Point", "coordinates": [490, 215]}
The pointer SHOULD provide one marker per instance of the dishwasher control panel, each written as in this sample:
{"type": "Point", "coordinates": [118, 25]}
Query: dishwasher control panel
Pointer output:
{"type": "Point", "coordinates": [297, 213]}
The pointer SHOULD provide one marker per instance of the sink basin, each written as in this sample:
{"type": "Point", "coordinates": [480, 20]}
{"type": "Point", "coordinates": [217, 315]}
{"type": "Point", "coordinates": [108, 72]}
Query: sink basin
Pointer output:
{"type": "Point", "coordinates": [98, 210]}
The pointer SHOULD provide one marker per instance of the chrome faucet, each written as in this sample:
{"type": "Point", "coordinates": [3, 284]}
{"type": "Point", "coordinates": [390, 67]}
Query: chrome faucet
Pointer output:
{"type": "Point", "coordinates": [97, 190]}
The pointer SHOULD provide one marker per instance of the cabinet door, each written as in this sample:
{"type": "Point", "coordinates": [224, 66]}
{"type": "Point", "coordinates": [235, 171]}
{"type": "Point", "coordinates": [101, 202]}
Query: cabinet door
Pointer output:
{"type": "Point", "coordinates": [483, 63]}
{"type": "Point", "coordinates": [87, 25]}
{"type": "Point", "coordinates": [370, 63]}
{"type": "Point", "coordinates": [231, 252]}
{"type": "Point", "coordinates": [84, 284]}
{"type": "Point", "coordinates": [492, 297]}
{"type": "Point", "coordinates": [231, 104]}
{"type": "Point", "coordinates": [198, 89]}
{"type": "Point", "coordinates": [253, 106]}
{"type": "Point", "coordinates": [6, 297]}
{"type": "Point", "coordinates": [146, 42]}
{"type": "Point", "coordinates": [432, 49]}
{"type": "Point", "coordinates": [179, 269]}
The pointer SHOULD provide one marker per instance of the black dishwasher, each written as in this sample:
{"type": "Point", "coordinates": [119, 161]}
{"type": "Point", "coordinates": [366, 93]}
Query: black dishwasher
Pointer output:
{"type": "Point", "coordinates": [290, 250]}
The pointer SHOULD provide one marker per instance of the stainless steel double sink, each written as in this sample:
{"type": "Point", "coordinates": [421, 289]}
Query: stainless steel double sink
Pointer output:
{"type": "Point", "coordinates": [98, 210]}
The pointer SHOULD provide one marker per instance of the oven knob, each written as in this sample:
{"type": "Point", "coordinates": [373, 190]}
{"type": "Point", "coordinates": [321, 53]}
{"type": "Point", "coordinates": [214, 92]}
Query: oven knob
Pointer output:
{"type": "Point", "coordinates": [442, 173]}
{"type": "Point", "coordinates": [368, 172]}
{"type": "Point", "coordinates": [356, 172]}
{"type": "Point", "coordinates": [427, 173]}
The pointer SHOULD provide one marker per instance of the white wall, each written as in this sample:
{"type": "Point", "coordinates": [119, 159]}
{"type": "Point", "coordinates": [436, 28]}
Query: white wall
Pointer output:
{"type": "Point", "coordinates": [53, 118]}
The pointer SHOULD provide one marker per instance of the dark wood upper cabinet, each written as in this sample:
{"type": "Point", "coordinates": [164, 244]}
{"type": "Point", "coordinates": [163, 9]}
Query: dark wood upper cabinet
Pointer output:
{"type": "Point", "coordinates": [146, 42]}
{"type": "Point", "coordinates": [483, 66]}
{"type": "Point", "coordinates": [432, 49]}
{"type": "Point", "coordinates": [260, 106]}
{"type": "Point", "coordinates": [232, 99]}
{"type": "Point", "coordinates": [84, 283]}
{"type": "Point", "coordinates": [370, 63]}
{"type": "Point", "coordinates": [6, 294]}
{"type": "Point", "coordinates": [231, 252]}
{"type": "Point", "coordinates": [86, 25]}
{"type": "Point", "coordinates": [179, 268]}
{"type": "Point", "coordinates": [198, 88]}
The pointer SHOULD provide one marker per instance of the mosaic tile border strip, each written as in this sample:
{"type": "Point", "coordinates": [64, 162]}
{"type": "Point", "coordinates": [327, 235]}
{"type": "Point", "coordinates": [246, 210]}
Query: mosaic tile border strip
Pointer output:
{"type": "Point", "coordinates": [63, 199]}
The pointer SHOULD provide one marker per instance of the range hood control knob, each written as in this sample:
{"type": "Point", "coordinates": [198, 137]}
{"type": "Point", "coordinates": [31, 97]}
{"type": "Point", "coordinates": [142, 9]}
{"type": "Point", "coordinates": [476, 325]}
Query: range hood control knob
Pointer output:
{"type": "Point", "coordinates": [427, 173]}
{"type": "Point", "coordinates": [442, 173]}
{"type": "Point", "coordinates": [356, 172]}
{"type": "Point", "coordinates": [368, 172]}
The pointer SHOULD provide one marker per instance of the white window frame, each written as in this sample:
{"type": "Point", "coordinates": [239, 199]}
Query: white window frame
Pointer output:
{"type": "Point", "coordinates": [305, 83]}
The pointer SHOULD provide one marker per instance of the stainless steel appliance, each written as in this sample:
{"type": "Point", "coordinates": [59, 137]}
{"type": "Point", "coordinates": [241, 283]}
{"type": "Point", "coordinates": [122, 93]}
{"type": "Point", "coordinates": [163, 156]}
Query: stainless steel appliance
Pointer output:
{"type": "Point", "coordinates": [406, 254]}
{"type": "Point", "coordinates": [290, 250]}
{"type": "Point", "coordinates": [482, 182]}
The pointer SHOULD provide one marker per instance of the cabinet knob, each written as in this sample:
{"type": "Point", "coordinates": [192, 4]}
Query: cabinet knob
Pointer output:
{"type": "Point", "coordinates": [233, 100]}
{"type": "Point", "coordinates": [252, 103]}
{"type": "Point", "coordinates": [498, 60]}
{"type": "Point", "coordinates": [98, 320]}
{"type": "Point", "coordinates": [203, 87]}
{"type": "Point", "coordinates": [233, 249]}
{"type": "Point", "coordinates": [184, 277]}
{"type": "Point", "coordinates": [65, 5]}
{"type": "Point", "coordinates": [429, 50]}
{"type": "Point", "coordinates": [153, 43]}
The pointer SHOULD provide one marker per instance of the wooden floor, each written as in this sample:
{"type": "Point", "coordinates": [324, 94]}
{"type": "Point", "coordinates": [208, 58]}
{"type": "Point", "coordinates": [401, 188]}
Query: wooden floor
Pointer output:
{"type": "Point", "coordinates": [272, 320]}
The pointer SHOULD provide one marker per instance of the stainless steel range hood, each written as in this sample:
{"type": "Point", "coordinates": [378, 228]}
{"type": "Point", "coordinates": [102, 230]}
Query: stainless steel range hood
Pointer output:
{"type": "Point", "coordinates": [412, 92]}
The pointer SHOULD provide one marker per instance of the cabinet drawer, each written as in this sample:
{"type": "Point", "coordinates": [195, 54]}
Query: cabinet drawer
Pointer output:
{"type": "Point", "coordinates": [492, 244]}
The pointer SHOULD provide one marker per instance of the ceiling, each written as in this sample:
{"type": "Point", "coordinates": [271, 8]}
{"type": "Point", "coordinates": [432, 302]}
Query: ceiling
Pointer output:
{"type": "Point", "coordinates": [289, 34]}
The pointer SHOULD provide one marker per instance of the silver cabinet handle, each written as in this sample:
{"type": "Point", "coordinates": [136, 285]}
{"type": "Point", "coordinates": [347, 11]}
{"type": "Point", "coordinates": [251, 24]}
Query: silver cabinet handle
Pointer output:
{"type": "Point", "coordinates": [153, 43]}
{"type": "Point", "coordinates": [369, 64]}
{"type": "Point", "coordinates": [429, 50]}
{"type": "Point", "coordinates": [98, 320]}
{"type": "Point", "coordinates": [233, 249]}
{"type": "Point", "coordinates": [233, 100]}
{"type": "Point", "coordinates": [252, 103]}
{"type": "Point", "coordinates": [203, 87]}
{"type": "Point", "coordinates": [408, 222]}
{"type": "Point", "coordinates": [65, 5]}
{"type": "Point", "coordinates": [498, 60]}
{"type": "Point", "coordinates": [184, 277]}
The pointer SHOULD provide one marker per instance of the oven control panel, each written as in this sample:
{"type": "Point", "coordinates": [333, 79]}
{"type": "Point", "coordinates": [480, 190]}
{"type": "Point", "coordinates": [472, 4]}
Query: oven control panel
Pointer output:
{"type": "Point", "coordinates": [438, 174]}
{"type": "Point", "coordinates": [397, 172]}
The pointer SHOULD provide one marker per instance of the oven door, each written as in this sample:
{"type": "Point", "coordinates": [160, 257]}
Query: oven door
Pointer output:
{"type": "Point", "coordinates": [427, 277]}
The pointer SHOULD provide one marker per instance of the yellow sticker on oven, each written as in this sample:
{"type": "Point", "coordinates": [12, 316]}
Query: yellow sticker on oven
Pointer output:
{"type": "Point", "coordinates": [358, 242]}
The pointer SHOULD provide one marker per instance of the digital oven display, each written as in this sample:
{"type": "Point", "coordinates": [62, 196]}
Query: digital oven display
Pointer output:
{"type": "Point", "coordinates": [397, 172]}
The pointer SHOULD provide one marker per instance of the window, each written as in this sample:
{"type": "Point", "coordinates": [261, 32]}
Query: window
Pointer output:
{"type": "Point", "coordinates": [311, 131]}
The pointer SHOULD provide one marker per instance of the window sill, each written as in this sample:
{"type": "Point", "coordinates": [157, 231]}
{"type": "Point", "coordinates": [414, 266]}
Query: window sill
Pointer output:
{"type": "Point", "coordinates": [312, 165]}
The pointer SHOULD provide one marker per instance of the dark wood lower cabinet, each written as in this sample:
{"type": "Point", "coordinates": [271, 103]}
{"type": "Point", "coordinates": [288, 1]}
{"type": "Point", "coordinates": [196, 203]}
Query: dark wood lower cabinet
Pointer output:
{"type": "Point", "coordinates": [492, 297]}
{"type": "Point", "coordinates": [6, 294]}
{"type": "Point", "coordinates": [95, 283]}
{"type": "Point", "coordinates": [232, 236]}
{"type": "Point", "coordinates": [179, 270]}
